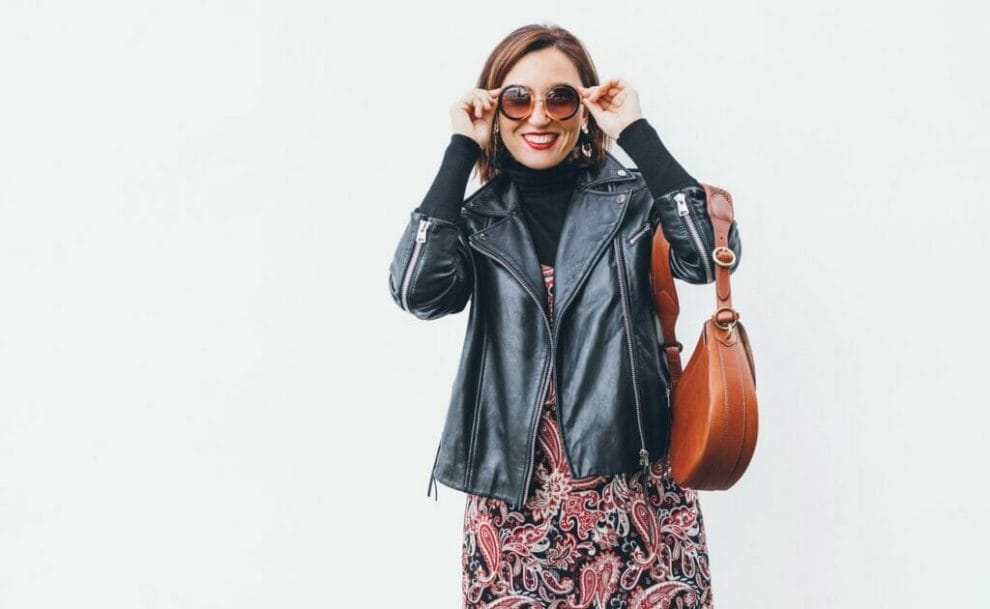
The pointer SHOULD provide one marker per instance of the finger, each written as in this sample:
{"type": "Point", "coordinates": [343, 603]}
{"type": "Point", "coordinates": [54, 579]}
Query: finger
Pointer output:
{"type": "Point", "coordinates": [592, 107]}
{"type": "Point", "coordinates": [483, 97]}
{"type": "Point", "coordinates": [469, 106]}
{"type": "Point", "coordinates": [612, 86]}
{"type": "Point", "coordinates": [604, 90]}
{"type": "Point", "coordinates": [467, 99]}
{"type": "Point", "coordinates": [622, 87]}
{"type": "Point", "coordinates": [494, 92]}
{"type": "Point", "coordinates": [597, 90]}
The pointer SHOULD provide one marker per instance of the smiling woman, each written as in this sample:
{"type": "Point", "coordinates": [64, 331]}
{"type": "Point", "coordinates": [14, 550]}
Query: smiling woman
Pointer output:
{"type": "Point", "coordinates": [558, 425]}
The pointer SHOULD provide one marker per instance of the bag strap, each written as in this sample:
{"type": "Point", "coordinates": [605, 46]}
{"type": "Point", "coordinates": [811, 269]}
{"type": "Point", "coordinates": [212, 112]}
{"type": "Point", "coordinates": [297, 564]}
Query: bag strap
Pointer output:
{"type": "Point", "coordinates": [719, 205]}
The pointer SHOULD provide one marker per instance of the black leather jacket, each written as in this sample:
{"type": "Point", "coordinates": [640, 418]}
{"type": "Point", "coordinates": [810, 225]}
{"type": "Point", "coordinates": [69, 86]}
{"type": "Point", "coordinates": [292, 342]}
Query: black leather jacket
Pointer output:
{"type": "Point", "coordinates": [612, 383]}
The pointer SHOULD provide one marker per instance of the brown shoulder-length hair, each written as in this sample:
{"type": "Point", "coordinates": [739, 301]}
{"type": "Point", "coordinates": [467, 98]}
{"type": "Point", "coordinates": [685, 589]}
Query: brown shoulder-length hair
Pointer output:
{"type": "Point", "coordinates": [510, 50]}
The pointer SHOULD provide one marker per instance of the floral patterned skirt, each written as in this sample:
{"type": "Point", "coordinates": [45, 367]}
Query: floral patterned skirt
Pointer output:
{"type": "Point", "coordinates": [599, 542]}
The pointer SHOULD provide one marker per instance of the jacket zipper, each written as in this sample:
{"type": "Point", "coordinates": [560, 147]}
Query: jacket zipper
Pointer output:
{"type": "Point", "coordinates": [644, 455]}
{"type": "Point", "coordinates": [557, 316]}
{"type": "Point", "coordinates": [685, 214]}
{"type": "Point", "coordinates": [548, 372]}
{"type": "Point", "coordinates": [551, 329]}
{"type": "Point", "coordinates": [424, 224]}
{"type": "Point", "coordinates": [550, 365]}
{"type": "Point", "coordinates": [639, 233]}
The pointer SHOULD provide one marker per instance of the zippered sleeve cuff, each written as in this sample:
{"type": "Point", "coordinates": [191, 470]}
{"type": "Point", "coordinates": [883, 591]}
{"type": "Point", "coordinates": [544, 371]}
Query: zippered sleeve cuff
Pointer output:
{"type": "Point", "coordinates": [683, 216]}
{"type": "Point", "coordinates": [432, 269]}
{"type": "Point", "coordinates": [446, 194]}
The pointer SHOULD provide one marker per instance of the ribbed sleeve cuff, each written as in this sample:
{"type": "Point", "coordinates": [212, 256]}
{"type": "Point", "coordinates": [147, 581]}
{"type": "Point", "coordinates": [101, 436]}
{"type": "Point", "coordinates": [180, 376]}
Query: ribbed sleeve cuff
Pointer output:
{"type": "Point", "coordinates": [446, 194]}
{"type": "Point", "coordinates": [660, 169]}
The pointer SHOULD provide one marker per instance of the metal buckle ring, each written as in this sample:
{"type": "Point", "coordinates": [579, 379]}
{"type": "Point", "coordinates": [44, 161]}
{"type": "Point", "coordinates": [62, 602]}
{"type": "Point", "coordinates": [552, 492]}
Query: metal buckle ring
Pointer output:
{"type": "Point", "coordinates": [715, 253]}
{"type": "Point", "coordinates": [728, 327]}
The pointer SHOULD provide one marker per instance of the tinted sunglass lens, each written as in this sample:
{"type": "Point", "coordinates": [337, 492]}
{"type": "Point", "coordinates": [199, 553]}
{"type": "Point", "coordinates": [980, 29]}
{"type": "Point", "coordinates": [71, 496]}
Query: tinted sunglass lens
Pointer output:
{"type": "Point", "coordinates": [562, 102]}
{"type": "Point", "coordinates": [516, 102]}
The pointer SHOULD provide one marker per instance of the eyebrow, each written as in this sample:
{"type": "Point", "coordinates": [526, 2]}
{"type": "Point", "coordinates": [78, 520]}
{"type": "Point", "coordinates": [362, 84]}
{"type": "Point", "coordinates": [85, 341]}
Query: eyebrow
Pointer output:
{"type": "Point", "coordinates": [556, 84]}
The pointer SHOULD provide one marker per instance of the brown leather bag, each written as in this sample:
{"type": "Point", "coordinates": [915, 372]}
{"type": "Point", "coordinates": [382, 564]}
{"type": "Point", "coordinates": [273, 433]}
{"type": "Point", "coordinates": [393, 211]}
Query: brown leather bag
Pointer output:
{"type": "Point", "coordinates": [713, 401]}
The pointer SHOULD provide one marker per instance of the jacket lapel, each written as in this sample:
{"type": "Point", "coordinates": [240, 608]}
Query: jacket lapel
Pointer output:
{"type": "Point", "coordinates": [590, 223]}
{"type": "Point", "coordinates": [511, 242]}
{"type": "Point", "coordinates": [594, 214]}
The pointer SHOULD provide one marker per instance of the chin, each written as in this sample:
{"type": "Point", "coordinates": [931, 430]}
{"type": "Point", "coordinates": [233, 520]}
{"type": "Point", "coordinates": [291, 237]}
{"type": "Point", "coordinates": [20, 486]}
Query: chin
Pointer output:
{"type": "Point", "coordinates": [542, 162]}
{"type": "Point", "coordinates": [538, 160]}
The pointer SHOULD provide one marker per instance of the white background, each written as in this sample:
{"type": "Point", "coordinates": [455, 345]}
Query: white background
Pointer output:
{"type": "Point", "coordinates": [208, 398]}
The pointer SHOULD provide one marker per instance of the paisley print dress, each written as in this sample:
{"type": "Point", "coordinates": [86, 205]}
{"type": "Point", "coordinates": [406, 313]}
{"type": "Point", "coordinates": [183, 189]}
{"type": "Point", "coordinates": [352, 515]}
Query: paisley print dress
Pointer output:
{"type": "Point", "coordinates": [597, 543]}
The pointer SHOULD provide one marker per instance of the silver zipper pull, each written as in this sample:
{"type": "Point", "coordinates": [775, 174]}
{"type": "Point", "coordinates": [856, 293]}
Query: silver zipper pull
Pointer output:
{"type": "Point", "coordinates": [644, 459]}
{"type": "Point", "coordinates": [682, 208]}
{"type": "Point", "coordinates": [421, 233]}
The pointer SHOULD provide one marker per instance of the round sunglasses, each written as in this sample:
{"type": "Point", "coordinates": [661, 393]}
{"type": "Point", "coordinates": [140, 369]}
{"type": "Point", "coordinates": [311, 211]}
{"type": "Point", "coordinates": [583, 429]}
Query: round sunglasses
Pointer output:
{"type": "Point", "coordinates": [517, 102]}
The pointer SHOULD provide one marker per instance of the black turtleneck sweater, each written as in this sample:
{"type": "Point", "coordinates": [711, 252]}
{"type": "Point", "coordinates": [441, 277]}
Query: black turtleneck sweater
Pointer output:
{"type": "Point", "coordinates": [544, 196]}
{"type": "Point", "coordinates": [546, 193]}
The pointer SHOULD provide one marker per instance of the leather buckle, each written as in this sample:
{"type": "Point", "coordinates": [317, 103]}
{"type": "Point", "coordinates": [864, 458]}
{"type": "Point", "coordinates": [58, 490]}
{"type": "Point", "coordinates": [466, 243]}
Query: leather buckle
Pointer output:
{"type": "Point", "coordinates": [723, 249]}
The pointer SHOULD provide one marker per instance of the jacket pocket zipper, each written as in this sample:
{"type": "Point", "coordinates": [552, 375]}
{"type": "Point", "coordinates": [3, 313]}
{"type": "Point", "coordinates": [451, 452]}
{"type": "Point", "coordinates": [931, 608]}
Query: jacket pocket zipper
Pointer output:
{"type": "Point", "coordinates": [685, 213]}
{"type": "Point", "coordinates": [413, 259]}
{"type": "Point", "coordinates": [644, 455]}
{"type": "Point", "coordinates": [639, 233]}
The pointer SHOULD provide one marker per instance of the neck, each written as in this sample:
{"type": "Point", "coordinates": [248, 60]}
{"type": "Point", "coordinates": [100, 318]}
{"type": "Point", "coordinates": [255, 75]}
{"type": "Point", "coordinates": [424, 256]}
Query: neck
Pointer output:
{"type": "Point", "coordinates": [561, 176]}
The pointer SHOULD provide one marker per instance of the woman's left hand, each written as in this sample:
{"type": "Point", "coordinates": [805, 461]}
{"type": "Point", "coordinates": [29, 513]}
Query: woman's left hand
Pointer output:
{"type": "Point", "coordinates": [614, 104]}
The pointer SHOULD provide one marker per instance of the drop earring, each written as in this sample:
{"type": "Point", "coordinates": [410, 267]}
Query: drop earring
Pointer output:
{"type": "Point", "coordinates": [586, 149]}
{"type": "Point", "coordinates": [495, 147]}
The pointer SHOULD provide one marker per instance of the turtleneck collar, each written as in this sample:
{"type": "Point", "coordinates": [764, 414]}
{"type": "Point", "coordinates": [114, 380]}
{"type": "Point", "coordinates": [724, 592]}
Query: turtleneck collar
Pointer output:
{"type": "Point", "coordinates": [561, 176]}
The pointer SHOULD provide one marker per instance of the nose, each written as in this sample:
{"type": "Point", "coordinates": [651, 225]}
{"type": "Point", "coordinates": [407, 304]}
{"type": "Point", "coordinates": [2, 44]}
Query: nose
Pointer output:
{"type": "Point", "coordinates": [539, 116]}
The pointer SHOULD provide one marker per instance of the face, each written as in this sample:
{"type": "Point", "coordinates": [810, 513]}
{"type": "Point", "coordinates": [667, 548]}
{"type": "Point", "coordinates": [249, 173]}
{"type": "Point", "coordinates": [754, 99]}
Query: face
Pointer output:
{"type": "Point", "coordinates": [541, 70]}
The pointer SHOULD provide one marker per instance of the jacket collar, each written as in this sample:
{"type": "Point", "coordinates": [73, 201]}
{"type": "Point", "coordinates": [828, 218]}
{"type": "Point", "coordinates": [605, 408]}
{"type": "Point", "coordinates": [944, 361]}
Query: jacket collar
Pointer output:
{"type": "Point", "coordinates": [500, 196]}
{"type": "Point", "coordinates": [592, 218]}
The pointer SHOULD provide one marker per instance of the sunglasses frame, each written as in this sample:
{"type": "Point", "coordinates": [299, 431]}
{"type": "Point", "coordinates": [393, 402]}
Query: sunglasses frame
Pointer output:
{"type": "Point", "coordinates": [535, 100]}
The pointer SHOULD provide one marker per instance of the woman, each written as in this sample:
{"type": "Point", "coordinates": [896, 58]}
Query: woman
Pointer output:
{"type": "Point", "coordinates": [569, 497]}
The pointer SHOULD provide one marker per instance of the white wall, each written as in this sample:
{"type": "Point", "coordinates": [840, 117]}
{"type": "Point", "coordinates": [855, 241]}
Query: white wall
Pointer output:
{"type": "Point", "coordinates": [208, 399]}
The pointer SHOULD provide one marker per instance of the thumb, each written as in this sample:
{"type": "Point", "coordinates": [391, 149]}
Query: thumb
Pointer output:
{"type": "Point", "coordinates": [592, 107]}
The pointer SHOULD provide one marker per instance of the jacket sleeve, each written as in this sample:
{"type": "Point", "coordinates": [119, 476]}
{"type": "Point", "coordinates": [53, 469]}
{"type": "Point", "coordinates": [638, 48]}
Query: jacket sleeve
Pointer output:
{"type": "Point", "coordinates": [432, 270]}
{"type": "Point", "coordinates": [683, 215]}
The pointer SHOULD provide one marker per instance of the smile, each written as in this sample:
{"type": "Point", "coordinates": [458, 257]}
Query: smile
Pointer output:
{"type": "Point", "coordinates": [541, 142]}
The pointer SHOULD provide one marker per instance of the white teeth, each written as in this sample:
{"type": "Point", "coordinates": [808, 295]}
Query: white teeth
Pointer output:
{"type": "Point", "coordinates": [540, 139]}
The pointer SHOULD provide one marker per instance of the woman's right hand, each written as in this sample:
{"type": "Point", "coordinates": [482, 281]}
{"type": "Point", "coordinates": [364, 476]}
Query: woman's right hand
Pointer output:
{"type": "Point", "coordinates": [472, 114]}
